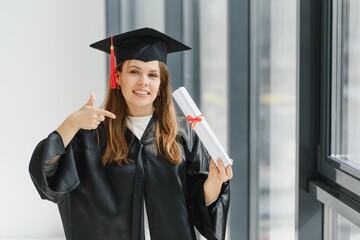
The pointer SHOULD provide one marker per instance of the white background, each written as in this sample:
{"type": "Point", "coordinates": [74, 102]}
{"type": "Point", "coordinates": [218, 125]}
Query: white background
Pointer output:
{"type": "Point", "coordinates": [47, 71]}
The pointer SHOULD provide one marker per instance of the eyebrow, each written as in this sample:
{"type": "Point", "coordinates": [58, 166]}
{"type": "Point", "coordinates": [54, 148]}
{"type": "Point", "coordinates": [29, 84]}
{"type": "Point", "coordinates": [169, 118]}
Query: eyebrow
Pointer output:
{"type": "Point", "coordinates": [134, 67]}
{"type": "Point", "coordinates": [153, 70]}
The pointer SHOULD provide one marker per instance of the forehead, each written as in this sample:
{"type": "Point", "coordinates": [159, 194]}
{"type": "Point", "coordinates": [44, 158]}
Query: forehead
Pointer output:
{"type": "Point", "coordinates": [151, 65]}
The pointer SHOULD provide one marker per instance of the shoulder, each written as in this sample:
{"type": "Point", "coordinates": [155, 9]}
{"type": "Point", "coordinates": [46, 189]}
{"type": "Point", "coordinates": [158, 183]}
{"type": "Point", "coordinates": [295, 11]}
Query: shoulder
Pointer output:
{"type": "Point", "coordinates": [186, 134]}
{"type": "Point", "coordinates": [184, 128]}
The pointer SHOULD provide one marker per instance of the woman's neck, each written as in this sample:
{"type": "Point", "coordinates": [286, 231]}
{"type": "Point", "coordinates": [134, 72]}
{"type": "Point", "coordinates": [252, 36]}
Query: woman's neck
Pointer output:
{"type": "Point", "coordinates": [139, 112]}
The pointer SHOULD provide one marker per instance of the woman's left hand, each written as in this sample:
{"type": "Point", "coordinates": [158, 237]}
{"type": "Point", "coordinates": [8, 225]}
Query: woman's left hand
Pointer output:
{"type": "Point", "coordinates": [217, 176]}
{"type": "Point", "coordinates": [219, 173]}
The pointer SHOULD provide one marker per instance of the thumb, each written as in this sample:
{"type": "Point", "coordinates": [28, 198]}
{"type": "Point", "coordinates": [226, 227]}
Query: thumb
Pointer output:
{"type": "Point", "coordinates": [91, 100]}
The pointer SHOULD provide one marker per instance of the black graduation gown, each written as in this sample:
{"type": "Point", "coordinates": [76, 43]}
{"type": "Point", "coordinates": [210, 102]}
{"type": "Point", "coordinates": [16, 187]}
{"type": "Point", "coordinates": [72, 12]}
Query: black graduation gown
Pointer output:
{"type": "Point", "coordinates": [106, 202]}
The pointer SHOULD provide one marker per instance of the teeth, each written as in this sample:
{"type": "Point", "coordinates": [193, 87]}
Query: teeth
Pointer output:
{"type": "Point", "coordinates": [141, 92]}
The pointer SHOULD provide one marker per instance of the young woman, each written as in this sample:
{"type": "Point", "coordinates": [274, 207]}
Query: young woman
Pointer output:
{"type": "Point", "coordinates": [102, 166]}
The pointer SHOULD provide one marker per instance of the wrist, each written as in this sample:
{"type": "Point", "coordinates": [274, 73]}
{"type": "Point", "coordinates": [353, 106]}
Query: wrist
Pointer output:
{"type": "Point", "coordinates": [212, 189]}
{"type": "Point", "coordinates": [72, 122]}
{"type": "Point", "coordinates": [213, 182]}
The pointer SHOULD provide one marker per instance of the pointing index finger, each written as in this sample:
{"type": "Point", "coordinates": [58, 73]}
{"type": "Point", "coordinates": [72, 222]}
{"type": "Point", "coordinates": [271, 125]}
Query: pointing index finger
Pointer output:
{"type": "Point", "coordinates": [105, 113]}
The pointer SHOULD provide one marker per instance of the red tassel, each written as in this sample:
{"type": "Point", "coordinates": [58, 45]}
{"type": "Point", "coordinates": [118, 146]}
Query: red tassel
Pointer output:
{"type": "Point", "coordinates": [112, 66]}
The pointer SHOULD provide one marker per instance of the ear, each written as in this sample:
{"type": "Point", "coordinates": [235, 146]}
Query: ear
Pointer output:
{"type": "Point", "coordinates": [118, 78]}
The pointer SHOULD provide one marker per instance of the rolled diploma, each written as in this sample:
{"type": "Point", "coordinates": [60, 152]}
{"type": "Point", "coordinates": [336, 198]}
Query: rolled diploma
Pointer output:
{"type": "Point", "coordinates": [202, 128]}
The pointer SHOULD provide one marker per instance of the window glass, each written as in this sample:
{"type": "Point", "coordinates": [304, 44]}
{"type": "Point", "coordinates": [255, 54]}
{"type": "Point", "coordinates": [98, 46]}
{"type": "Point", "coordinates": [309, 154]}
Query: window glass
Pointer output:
{"type": "Point", "coordinates": [273, 119]}
{"type": "Point", "coordinates": [346, 82]}
{"type": "Point", "coordinates": [154, 18]}
{"type": "Point", "coordinates": [337, 227]}
{"type": "Point", "coordinates": [213, 67]}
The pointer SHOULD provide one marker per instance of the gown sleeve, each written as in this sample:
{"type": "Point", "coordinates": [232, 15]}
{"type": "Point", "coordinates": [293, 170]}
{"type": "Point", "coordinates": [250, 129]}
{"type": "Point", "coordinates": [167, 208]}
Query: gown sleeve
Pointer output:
{"type": "Point", "coordinates": [210, 220]}
{"type": "Point", "coordinates": [54, 188]}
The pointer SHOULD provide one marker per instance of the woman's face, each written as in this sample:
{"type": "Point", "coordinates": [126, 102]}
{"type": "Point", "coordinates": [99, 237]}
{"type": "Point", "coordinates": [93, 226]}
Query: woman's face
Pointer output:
{"type": "Point", "coordinates": [139, 82]}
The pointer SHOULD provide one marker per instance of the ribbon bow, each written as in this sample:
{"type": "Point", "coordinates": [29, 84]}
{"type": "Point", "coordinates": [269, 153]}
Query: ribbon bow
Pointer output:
{"type": "Point", "coordinates": [194, 120]}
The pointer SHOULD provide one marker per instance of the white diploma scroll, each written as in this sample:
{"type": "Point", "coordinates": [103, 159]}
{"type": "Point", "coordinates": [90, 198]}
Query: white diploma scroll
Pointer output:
{"type": "Point", "coordinates": [200, 125]}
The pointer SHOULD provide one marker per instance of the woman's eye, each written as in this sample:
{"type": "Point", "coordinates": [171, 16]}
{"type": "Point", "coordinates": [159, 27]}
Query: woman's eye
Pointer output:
{"type": "Point", "coordinates": [134, 72]}
{"type": "Point", "coordinates": [153, 75]}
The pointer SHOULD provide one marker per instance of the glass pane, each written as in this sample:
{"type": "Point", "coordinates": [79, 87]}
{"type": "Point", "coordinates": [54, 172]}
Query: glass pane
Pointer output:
{"type": "Point", "coordinates": [338, 227]}
{"type": "Point", "coordinates": [213, 67]}
{"type": "Point", "coordinates": [346, 230]}
{"type": "Point", "coordinates": [273, 119]}
{"type": "Point", "coordinates": [146, 18]}
{"type": "Point", "coordinates": [346, 82]}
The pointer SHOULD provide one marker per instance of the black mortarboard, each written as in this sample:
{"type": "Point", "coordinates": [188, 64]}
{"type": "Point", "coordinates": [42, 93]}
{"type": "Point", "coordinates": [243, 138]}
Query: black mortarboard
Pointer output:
{"type": "Point", "coordinates": [145, 44]}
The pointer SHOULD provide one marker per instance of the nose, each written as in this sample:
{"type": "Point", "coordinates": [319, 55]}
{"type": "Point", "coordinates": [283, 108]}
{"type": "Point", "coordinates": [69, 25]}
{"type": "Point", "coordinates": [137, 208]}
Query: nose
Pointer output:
{"type": "Point", "coordinates": [143, 80]}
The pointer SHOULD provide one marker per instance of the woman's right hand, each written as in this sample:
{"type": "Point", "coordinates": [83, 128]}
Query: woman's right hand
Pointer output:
{"type": "Point", "coordinates": [89, 117]}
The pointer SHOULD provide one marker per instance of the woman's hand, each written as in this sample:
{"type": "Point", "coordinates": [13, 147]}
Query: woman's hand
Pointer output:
{"type": "Point", "coordinates": [88, 117]}
{"type": "Point", "coordinates": [220, 173]}
{"type": "Point", "coordinates": [217, 176]}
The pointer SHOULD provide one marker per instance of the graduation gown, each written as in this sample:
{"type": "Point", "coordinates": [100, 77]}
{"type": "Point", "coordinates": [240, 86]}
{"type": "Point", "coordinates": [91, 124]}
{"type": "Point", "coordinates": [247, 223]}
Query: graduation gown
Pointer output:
{"type": "Point", "coordinates": [106, 202]}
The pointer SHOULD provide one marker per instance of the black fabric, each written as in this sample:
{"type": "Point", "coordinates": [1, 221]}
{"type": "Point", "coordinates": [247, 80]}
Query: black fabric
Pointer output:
{"type": "Point", "coordinates": [106, 202]}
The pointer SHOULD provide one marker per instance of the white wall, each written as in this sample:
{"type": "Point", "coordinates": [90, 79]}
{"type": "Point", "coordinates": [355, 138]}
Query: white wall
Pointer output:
{"type": "Point", "coordinates": [47, 70]}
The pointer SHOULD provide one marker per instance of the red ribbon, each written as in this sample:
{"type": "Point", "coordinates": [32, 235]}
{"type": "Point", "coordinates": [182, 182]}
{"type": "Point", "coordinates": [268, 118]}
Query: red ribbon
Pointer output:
{"type": "Point", "coordinates": [194, 121]}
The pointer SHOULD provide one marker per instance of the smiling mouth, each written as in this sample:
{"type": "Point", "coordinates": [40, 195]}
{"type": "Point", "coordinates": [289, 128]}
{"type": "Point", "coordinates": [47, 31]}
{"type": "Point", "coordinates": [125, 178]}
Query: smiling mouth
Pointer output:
{"type": "Point", "coordinates": [141, 92]}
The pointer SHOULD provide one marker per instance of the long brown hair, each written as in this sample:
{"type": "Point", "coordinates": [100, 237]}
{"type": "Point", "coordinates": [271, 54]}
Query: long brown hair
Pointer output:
{"type": "Point", "coordinates": [165, 128]}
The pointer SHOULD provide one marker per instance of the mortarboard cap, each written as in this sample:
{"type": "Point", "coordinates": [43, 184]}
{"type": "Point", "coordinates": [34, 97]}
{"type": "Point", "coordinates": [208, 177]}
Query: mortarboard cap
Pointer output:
{"type": "Point", "coordinates": [145, 44]}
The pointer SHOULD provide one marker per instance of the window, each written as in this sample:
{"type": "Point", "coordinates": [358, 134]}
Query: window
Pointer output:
{"type": "Point", "coordinates": [213, 65]}
{"type": "Point", "coordinates": [273, 119]}
{"type": "Point", "coordinates": [345, 89]}
{"type": "Point", "coordinates": [213, 68]}
{"type": "Point", "coordinates": [340, 161]}
{"type": "Point", "coordinates": [338, 227]}
{"type": "Point", "coordinates": [340, 149]}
